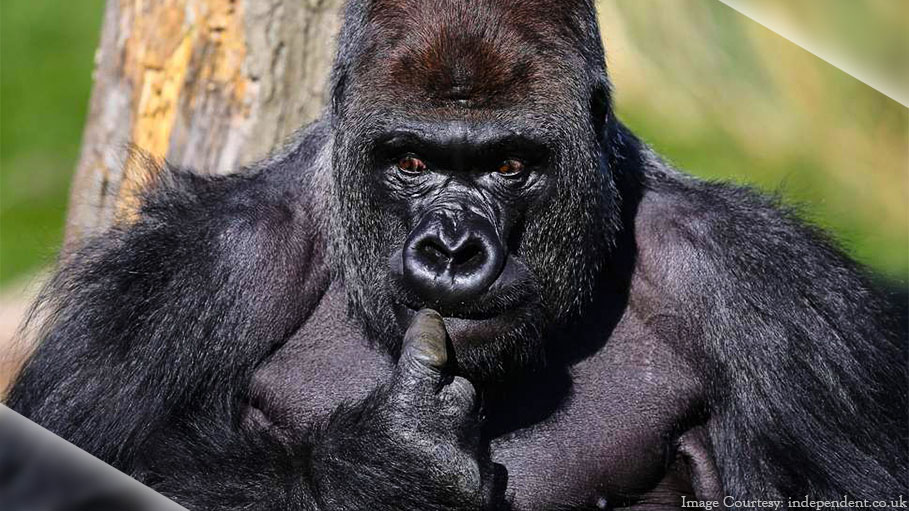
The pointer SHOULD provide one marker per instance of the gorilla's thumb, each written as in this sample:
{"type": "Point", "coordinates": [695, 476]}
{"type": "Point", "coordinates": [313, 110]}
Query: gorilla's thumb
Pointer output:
{"type": "Point", "coordinates": [424, 350]}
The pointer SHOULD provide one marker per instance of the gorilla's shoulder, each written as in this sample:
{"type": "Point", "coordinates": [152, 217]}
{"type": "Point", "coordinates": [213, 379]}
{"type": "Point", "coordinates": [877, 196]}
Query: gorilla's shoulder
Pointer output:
{"type": "Point", "coordinates": [690, 228]}
{"type": "Point", "coordinates": [697, 210]}
{"type": "Point", "coordinates": [253, 211]}
{"type": "Point", "coordinates": [287, 180]}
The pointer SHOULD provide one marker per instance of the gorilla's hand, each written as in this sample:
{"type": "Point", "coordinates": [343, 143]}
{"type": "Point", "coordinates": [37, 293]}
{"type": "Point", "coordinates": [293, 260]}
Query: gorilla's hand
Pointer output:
{"type": "Point", "coordinates": [415, 443]}
{"type": "Point", "coordinates": [435, 413]}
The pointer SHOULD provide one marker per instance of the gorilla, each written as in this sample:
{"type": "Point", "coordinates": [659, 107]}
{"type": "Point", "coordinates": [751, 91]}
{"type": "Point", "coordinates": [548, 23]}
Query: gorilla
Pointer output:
{"type": "Point", "coordinates": [469, 286]}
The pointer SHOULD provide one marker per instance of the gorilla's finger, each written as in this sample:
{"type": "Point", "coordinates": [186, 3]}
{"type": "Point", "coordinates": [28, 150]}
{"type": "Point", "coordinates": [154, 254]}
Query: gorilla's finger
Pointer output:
{"type": "Point", "coordinates": [424, 351]}
{"type": "Point", "coordinates": [459, 397]}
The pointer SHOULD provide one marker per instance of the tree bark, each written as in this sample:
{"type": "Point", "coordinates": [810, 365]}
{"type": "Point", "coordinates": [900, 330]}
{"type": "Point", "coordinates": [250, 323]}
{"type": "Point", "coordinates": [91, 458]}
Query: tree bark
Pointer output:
{"type": "Point", "coordinates": [207, 84]}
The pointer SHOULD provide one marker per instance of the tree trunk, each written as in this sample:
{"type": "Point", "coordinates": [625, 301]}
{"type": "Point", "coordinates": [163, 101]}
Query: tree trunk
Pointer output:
{"type": "Point", "coordinates": [207, 84]}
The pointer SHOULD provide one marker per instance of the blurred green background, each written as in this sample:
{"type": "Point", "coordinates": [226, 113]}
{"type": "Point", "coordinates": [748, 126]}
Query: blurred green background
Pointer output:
{"type": "Point", "coordinates": [725, 98]}
{"type": "Point", "coordinates": [46, 53]}
{"type": "Point", "coordinates": [716, 93]}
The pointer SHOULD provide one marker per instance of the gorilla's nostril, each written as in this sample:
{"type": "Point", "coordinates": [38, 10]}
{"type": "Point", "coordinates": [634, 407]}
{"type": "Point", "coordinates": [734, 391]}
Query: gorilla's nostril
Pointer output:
{"type": "Point", "coordinates": [447, 263]}
{"type": "Point", "coordinates": [468, 256]}
{"type": "Point", "coordinates": [433, 252]}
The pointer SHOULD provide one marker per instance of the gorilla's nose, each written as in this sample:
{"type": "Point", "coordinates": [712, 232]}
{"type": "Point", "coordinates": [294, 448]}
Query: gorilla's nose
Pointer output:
{"type": "Point", "coordinates": [450, 258]}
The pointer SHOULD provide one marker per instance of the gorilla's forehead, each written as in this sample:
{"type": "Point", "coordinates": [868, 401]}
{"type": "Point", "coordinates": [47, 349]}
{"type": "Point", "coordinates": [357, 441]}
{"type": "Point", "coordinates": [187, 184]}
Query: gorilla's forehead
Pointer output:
{"type": "Point", "coordinates": [487, 53]}
{"type": "Point", "coordinates": [463, 125]}
{"type": "Point", "coordinates": [556, 20]}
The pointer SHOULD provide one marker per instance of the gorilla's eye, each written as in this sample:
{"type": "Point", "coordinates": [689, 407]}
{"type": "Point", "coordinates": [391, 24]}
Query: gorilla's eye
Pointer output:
{"type": "Point", "coordinates": [510, 167]}
{"type": "Point", "coordinates": [411, 165]}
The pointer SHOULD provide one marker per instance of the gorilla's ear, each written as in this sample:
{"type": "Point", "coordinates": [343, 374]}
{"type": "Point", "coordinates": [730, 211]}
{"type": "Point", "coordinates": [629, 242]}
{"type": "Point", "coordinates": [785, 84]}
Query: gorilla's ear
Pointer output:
{"type": "Point", "coordinates": [600, 107]}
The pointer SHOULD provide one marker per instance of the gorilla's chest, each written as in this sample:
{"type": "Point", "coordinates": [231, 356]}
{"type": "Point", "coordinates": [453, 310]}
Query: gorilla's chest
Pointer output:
{"type": "Point", "coordinates": [326, 363]}
{"type": "Point", "coordinates": [606, 439]}
{"type": "Point", "coordinates": [611, 444]}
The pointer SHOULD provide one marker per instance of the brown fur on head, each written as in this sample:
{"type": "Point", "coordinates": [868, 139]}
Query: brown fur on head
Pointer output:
{"type": "Point", "coordinates": [488, 53]}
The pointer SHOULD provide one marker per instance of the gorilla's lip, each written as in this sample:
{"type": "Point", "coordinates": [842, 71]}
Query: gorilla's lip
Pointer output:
{"type": "Point", "coordinates": [470, 331]}
{"type": "Point", "coordinates": [468, 318]}
{"type": "Point", "coordinates": [513, 289]}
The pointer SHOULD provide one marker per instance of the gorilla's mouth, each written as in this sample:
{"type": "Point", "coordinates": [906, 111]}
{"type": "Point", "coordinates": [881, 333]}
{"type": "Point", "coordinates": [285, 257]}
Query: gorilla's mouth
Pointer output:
{"type": "Point", "coordinates": [511, 291]}
{"type": "Point", "coordinates": [503, 322]}
{"type": "Point", "coordinates": [500, 309]}
{"type": "Point", "coordinates": [466, 332]}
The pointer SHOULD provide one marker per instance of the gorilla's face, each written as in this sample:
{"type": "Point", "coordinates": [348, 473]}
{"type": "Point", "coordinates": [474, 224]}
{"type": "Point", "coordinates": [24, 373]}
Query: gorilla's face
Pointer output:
{"type": "Point", "coordinates": [464, 192]}
{"type": "Point", "coordinates": [471, 183]}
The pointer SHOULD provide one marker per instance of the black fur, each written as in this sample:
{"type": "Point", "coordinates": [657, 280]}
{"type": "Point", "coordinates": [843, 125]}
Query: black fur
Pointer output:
{"type": "Point", "coordinates": [674, 337]}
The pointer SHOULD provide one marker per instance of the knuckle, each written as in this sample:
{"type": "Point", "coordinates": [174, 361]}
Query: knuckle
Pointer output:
{"type": "Point", "coordinates": [458, 397]}
{"type": "Point", "coordinates": [463, 389]}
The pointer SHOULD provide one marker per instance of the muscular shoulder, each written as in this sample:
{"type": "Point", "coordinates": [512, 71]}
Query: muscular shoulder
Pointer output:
{"type": "Point", "coordinates": [270, 202]}
{"type": "Point", "coordinates": [714, 216]}
{"type": "Point", "coordinates": [684, 223]}
{"type": "Point", "coordinates": [254, 227]}
{"type": "Point", "coordinates": [726, 247]}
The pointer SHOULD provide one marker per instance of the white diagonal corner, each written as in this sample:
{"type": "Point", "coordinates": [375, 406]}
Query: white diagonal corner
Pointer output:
{"type": "Point", "coordinates": [798, 37]}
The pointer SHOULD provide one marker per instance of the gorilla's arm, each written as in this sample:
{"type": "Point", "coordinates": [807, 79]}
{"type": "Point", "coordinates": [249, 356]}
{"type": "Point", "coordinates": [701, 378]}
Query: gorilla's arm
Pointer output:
{"type": "Point", "coordinates": [149, 335]}
{"type": "Point", "coordinates": [162, 321]}
{"type": "Point", "coordinates": [803, 362]}
{"type": "Point", "coordinates": [411, 445]}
